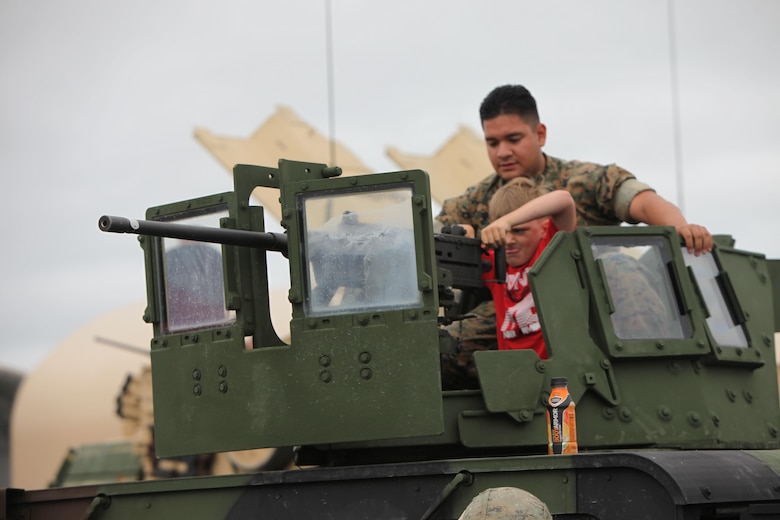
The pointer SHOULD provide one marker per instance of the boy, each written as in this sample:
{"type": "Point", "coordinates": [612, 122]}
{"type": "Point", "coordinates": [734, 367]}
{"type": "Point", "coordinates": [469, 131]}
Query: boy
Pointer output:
{"type": "Point", "coordinates": [524, 217]}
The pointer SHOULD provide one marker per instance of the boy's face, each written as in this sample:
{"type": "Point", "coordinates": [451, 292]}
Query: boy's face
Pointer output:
{"type": "Point", "coordinates": [514, 147]}
{"type": "Point", "coordinates": [523, 240]}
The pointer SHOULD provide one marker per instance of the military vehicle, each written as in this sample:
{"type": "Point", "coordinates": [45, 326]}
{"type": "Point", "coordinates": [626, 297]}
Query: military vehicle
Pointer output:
{"type": "Point", "coordinates": [669, 356]}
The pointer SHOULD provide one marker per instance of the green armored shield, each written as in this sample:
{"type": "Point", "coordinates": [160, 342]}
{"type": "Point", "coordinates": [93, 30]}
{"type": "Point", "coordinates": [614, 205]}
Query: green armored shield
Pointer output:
{"type": "Point", "coordinates": [362, 362]}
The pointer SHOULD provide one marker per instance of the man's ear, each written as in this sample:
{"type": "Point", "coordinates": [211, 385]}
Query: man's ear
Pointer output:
{"type": "Point", "coordinates": [541, 134]}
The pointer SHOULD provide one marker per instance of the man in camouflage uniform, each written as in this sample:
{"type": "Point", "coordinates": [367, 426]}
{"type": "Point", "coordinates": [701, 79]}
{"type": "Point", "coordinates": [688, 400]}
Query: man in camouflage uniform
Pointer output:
{"type": "Point", "coordinates": [604, 195]}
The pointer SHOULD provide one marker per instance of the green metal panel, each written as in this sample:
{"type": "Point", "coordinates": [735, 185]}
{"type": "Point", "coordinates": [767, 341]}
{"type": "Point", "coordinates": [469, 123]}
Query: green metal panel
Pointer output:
{"type": "Point", "coordinates": [350, 373]}
{"type": "Point", "coordinates": [678, 392]}
{"type": "Point", "coordinates": [99, 463]}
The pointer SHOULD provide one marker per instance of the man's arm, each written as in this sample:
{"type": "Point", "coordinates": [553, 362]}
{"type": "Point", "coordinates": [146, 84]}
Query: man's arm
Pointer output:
{"type": "Point", "coordinates": [558, 205]}
{"type": "Point", "coordinates": [652, 209]}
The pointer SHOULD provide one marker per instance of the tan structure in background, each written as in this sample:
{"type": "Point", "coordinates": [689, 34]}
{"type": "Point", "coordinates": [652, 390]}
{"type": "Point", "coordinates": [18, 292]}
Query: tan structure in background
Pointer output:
{"type": "Point", "coordinates": [70, 398]}
{"type": "Point", "coordinates": [459, 163]}
{"type": "Point", "coordinates": [283, 135]}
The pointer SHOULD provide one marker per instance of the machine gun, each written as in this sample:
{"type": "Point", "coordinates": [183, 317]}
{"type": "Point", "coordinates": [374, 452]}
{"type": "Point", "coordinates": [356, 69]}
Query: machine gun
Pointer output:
{"type": "Point", "coordinates": [458, 259]}
{"type": "Point", "coordinates": [234, 237]}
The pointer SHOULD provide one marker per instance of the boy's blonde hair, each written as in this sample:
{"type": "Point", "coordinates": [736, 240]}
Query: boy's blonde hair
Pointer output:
{"type": "Point", "coordinates": [512, 195]}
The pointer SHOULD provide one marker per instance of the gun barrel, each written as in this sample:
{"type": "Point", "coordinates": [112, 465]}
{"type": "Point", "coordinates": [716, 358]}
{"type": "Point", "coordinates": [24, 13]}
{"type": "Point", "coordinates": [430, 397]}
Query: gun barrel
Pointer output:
{"type": "Point", "coordinates": [232, 237]}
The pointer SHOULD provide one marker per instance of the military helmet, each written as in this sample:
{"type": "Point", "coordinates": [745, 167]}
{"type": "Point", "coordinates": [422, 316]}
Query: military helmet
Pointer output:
{"type": "Point", "coordinates": [506, 503]}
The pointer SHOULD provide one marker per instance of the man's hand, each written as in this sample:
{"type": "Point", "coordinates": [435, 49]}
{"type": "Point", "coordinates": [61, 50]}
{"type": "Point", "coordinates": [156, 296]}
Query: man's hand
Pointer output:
{"type": "Point", "coordinates": [652, 209]}
{"type": "Point", "coordinates": [697, 239]}
{"type": "Point", "coordinates": [469, 230]}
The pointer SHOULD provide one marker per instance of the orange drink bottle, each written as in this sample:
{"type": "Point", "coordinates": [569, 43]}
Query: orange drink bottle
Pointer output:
{"type": "Point", "coordinates": [561, 420]}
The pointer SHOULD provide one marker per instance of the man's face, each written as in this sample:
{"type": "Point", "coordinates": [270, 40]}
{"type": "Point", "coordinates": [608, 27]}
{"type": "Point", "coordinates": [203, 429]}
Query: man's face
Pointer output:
{"type": "Point", "coordinates": [522, 241]}
{"type": "Point", "coordinates": [514, 147]}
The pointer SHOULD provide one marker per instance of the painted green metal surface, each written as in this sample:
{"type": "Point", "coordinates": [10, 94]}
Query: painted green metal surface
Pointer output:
{"type": "Point", "coordinates": [370, 373]}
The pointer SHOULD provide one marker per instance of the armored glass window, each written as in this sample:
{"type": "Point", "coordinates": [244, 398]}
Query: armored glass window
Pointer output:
{"type": "Point", "coordinates": [193, 287]}
{"type": "Point", "coordinates": [643, 297]}
{"type": "Point", "coordinates": [721, 322]}
{"type": "Point", "coordinates": [360, 252]}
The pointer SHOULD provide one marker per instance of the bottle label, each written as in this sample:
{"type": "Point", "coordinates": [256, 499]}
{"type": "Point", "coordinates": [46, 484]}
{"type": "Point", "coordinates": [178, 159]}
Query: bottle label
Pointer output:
{"type": "Point", "coordinates": [562, 425]}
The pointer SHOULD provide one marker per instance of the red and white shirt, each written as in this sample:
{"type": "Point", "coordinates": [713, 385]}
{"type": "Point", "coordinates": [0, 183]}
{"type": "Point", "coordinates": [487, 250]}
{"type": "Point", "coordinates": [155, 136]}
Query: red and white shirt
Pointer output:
{"type": "Point", "coordinates": [517, 323]}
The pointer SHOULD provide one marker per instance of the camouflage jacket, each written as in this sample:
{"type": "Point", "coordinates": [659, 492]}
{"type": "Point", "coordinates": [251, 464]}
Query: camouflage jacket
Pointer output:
{"type": "Point", "coordinates": [602, 194]}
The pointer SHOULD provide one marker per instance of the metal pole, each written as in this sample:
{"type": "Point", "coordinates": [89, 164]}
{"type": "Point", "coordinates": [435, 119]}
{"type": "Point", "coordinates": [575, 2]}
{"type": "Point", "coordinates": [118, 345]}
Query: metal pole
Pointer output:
{"type": "Point", "coordinates": [676, 109]}
{"type": "Point", "coordinates": [331, 88]}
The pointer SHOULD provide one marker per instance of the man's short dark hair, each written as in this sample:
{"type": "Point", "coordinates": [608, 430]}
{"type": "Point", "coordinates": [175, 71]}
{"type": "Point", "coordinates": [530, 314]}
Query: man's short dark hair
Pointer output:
{"type": "Point", "coordinates": [509, 99]}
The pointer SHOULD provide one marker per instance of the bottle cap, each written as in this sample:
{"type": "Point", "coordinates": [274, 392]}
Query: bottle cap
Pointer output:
{"type": "Point", "coordinates": [559, 381]}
